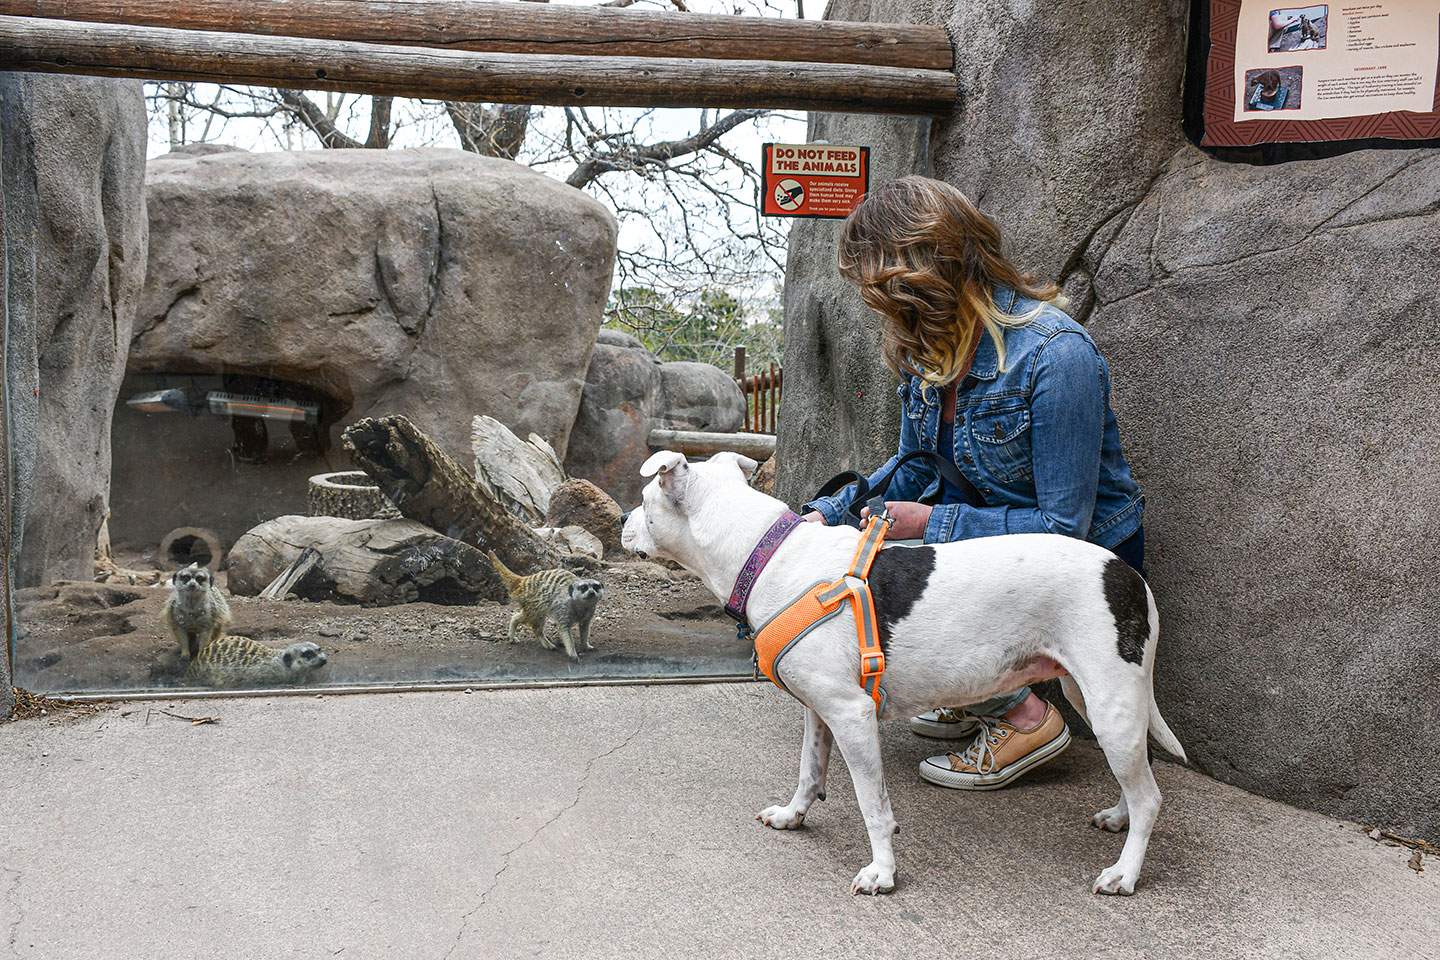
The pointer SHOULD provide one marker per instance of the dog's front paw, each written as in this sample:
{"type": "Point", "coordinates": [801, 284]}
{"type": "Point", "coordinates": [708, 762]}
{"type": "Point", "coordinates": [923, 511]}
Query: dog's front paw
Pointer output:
{"type": "Point", "coordinates": [1113, 880]}
{"type": "Point", "coordinates": [781, 818]}
{"type": "Point", "coordinates": [872, 880]}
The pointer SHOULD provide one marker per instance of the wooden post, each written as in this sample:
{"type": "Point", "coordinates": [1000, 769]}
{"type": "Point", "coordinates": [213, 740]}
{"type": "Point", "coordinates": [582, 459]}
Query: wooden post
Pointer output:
{"type": "Point", "coordinates": [774, 394]}
{"type": "Point", "coordinates": [157, 53]}
{"type": "Point", "coordinates": [488, 27]}
{"type": "Point", "coordinates": [760, 402]}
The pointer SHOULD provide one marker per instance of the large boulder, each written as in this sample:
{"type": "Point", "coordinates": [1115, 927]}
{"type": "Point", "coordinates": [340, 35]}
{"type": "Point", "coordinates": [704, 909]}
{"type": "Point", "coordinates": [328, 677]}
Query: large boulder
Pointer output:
{"type": "Point", "coordinates": [435, 284]}
{"type": "Point", "coordinates": [432, 283]}
{"type": "Point", "coordinates": [628, 393]}
{"type": "Point", "coordinates": [700, 396]}
{"type": "Point", "coordinates": [1268, 330]}
{"type": "Point", "coordinates": [581, 503]}
{"type": "Point", "coordinates": [618, 409]}
{"type": "Point", "coordinates": [1289, 477]}
{"type": "Point", "coordinates": [74, 168]}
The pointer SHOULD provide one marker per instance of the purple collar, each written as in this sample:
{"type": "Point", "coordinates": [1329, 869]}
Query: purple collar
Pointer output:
{"type": "Point", "coordinates": [760, 556]}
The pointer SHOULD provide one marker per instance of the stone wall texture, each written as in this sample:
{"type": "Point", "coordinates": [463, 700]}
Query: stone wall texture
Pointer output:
{"type": "Point", "coordinates": [1271, 338]}
{"type": "Point", "coordinates": [74, 168]}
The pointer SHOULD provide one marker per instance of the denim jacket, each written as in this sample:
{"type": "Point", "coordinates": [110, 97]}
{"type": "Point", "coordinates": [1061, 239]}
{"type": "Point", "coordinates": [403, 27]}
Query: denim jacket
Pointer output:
{"type": "Point", "coordinates": [1038, 440]}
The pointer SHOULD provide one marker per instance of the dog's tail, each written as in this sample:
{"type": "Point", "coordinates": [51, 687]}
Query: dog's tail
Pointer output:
{"type": "Point", "coordinates": [1158, 727]}
{"type": "Point", "coordinates": [508, 577]}
{"type": "Point", "coordinates": [1161, 732]}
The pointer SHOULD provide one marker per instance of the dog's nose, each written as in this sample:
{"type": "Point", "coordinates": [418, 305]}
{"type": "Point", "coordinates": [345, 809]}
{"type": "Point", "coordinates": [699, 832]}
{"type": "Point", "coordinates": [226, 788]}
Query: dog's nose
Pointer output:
{"type": "Point", "coordinates": [625, 517]}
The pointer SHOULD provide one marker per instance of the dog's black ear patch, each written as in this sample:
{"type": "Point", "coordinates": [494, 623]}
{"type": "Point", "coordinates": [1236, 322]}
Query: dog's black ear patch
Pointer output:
{"type": "Point", "coordinates": [1125, 592]}
{"type": "Point", "coordinates": [897, 578]}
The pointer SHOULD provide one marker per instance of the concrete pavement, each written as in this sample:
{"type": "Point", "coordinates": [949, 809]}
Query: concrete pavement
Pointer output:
{"type": "Point", "coordinates": [617, 822]}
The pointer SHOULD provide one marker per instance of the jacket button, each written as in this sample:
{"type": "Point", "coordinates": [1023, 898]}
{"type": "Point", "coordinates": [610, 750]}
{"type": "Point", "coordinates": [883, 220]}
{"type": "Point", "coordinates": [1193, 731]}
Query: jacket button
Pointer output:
{"type": "Point", "coordinates": [967, 459]}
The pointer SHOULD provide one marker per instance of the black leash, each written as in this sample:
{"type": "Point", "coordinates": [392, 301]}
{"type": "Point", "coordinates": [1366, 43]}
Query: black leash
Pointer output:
{"type": "Point", "coordinates": [874, 497]}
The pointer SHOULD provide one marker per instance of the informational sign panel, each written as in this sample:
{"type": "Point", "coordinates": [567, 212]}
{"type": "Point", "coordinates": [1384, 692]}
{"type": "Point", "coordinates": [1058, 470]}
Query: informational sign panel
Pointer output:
{"type": "Point", "coordinates": [1322, 71]}
{"type": "Point", "coordinates": [814, 179]}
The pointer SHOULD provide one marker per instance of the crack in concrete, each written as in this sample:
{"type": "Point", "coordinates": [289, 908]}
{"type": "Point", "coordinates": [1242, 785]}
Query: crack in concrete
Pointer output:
{"type": "Point", "coordinates": [505, 863]}
{"type": "Point", "coordinates": [14, 897]}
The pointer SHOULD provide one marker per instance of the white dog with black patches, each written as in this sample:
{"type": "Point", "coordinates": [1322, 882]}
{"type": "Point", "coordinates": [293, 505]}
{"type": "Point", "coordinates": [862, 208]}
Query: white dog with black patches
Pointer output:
{"type": "Point", "coordinates": [960, 622]}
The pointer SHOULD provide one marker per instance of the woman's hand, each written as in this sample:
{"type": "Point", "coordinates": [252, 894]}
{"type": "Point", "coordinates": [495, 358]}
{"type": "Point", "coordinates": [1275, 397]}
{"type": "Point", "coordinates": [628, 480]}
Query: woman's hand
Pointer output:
{"type": "Point", "coordinates": [910, 519]}
{"type": "Point", "coordinates": [814, 516]}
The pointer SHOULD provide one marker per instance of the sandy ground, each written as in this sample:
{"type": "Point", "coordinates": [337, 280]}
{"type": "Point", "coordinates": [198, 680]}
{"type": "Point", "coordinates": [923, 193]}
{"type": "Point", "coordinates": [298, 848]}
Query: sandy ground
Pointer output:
{"type": "Point", "coordinates": [74, 636]}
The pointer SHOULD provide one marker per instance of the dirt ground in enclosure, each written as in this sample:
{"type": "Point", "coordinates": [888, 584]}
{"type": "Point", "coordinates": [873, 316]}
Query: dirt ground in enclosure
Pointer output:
{"type": "Point", "coordinates": [77, 636]}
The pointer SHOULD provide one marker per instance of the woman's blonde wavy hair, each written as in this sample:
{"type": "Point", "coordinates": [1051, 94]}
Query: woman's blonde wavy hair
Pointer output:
{"type": "Point", "coordinates": [929, 262]}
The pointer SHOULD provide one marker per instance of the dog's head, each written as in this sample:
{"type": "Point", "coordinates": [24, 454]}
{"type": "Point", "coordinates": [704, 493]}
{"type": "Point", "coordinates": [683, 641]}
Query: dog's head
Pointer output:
{"type": "Point", "coordinates": [682, 498]}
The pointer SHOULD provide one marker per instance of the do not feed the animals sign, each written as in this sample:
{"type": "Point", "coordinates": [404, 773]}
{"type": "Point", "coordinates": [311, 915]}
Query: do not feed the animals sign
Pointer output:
{"type": "Point", "coordinates": [814, 179]}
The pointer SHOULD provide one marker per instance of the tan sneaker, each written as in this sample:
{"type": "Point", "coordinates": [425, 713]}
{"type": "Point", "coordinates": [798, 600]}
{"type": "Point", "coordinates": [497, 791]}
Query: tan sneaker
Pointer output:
{"type": "Point", "coordinates": [999, 753]}
{"type": "Point", "coordinates": [943, 723]}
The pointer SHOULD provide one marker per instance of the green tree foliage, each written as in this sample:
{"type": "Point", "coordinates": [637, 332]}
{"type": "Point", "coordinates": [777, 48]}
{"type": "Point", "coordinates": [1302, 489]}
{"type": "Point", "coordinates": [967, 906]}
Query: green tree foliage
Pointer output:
{"type": "Point", "coordinates": [706, 327]}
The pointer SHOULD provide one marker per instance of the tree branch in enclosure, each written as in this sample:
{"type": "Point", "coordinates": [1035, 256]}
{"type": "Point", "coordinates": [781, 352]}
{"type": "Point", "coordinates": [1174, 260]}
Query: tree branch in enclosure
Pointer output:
{"type": "Point", "coordinates": [426, 485]}
{"type": "Point", "coordinates": [632, 156]}
{"type": "Point", "coordinates": [491, 130]}
{"type": "Point", "coordinates": [320, 124]}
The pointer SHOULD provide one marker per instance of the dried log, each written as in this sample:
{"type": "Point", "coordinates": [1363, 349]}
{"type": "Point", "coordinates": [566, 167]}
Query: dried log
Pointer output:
{"type": "Point", "coordinates": [426, 485]}
{"type": "Point", "coordinates": [158, 53]}
{"type": "Point", "coordinates": [281, 586]}
{"type": "Point", "coordinates": [519, 474]}
{"type": "Point", "coordinates": [509, 28]}
{"type": "Point", "coordinates": [695, 443]}
{"type": "Point", "coordinates": [371, 562]}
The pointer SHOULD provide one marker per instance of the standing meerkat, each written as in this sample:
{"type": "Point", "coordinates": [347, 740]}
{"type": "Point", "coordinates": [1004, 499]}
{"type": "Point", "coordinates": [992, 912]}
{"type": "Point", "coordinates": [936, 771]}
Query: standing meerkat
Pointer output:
{"type": "Point", "coordinates": [195, 612]}
{"type": "Point", "coordinates": [242, 662]}
{"type": "Point", "coordinates": [556, 594]}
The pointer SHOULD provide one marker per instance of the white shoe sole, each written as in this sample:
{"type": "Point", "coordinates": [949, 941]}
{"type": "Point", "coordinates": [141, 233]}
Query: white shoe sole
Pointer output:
{"type": "Point", "coordinates": [939, 730]}
{"type": "Point", "coordinates": [940, 774]}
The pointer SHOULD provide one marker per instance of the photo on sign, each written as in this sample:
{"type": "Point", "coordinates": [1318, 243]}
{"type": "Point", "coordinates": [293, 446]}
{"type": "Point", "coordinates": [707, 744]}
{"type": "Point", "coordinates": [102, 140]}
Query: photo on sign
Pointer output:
{"type": "Point", "coordinates": [1276, 88]}
{"type": "Point", "coordinates": [1298, 28]}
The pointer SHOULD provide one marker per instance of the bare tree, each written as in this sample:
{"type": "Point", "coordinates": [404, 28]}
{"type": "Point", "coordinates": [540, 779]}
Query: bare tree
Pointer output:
{"type": "Point", "coordinates": [689, 206]}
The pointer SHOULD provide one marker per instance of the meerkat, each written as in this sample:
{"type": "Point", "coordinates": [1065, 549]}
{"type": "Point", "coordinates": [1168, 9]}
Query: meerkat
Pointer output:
{"type": "Point", "coordinates": [558, 595]}
{"type": "Point", "coordinates": [242, 662]}
{"type": "Point", "coordinates": [1307, 30]}
{"type": "Point", "coordinates": [195, 612]}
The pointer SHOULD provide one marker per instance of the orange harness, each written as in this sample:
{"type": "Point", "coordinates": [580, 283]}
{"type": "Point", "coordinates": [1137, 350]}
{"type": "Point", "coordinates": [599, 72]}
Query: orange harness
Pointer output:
{"type": "Point", "coordinates": [823, 600]}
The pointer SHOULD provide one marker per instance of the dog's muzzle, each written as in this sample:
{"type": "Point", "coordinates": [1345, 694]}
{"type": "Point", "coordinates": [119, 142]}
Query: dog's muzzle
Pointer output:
{"type": "Point", "coordinates": [624, 518]}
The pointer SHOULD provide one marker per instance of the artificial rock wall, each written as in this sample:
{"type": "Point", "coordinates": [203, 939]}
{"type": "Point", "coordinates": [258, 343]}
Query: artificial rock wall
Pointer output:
{"type": "Point", "coordinates": [74, 168]}
{"type": "Point", "coordinates": [1271, 338]}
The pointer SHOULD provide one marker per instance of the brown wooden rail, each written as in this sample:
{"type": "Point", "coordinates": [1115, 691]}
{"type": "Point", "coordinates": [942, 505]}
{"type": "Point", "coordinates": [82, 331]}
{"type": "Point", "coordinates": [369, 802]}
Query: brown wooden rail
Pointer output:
{"type": "Point", "coordinates": [762, 394]}
{"type": "Point", "coordinates": [528, 28]}
{"type": "Point", "coordinates": [157, 53]}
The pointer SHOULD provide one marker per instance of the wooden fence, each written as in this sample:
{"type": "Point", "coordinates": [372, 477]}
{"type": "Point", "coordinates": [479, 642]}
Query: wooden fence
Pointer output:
{"type": "Point", "coordinates": [762, 394]}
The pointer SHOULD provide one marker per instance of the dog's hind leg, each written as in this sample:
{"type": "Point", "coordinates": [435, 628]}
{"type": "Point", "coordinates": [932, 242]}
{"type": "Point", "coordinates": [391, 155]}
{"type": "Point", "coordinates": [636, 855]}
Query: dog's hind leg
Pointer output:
{"type": "Point", "coordinates": [1120, 717]}
{"type": "Point", "coordinates": [1073, 694]}
{"type": "Point", "coordinates": [814, 761]}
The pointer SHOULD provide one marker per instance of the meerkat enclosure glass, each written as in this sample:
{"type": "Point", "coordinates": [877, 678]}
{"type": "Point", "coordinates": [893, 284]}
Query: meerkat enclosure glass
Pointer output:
{"type": "Point", "coordinates": [300, 418]}
{"type": "Point", "coordinates": [260, 534]}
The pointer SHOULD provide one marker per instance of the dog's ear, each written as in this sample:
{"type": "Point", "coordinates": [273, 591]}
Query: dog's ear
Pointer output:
{"type": "Point", "coordinates": [673, 470]}
{"type": "Point", "coordinates": [746, 465]}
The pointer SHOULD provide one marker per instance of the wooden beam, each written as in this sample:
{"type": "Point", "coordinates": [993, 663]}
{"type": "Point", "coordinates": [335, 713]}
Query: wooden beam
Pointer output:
{"type": "Point", "coordinates": [531, 29]}
{"type": "Point", "coordinates": [155, 53]}
{"type": "Point", "coordinates": [696, 443]}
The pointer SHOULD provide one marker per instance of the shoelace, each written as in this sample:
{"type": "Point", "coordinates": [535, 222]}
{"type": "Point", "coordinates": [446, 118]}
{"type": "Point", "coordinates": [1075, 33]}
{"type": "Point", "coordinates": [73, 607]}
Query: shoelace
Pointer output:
{"type": "Point", "coordinates": [982, 747]}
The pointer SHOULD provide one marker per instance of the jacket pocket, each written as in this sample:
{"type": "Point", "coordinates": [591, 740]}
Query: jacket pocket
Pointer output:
{"type": "Point", "coordinates": [1002, 441]}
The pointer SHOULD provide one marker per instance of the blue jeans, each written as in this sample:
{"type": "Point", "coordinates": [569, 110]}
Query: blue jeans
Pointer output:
{"type": "Point", "coordinates": [1132, 551]}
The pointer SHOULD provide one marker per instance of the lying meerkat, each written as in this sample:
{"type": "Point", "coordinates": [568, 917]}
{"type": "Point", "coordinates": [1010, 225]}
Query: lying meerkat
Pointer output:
{"type": "Point", "coordinates": [195, 613]}
{"type": "Point", "coordinates": [242, 662]}
{"type": "Point", "coordinates": [557, 595]}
